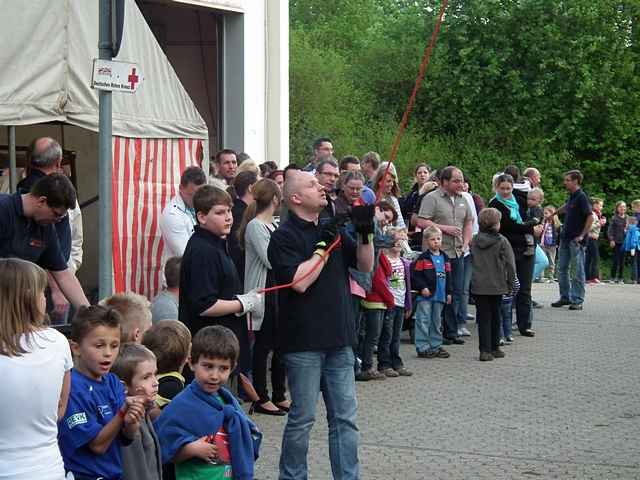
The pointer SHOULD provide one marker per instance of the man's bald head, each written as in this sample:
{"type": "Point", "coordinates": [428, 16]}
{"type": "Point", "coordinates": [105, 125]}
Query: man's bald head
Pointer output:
{"type": "Point", "coordinates": [45, 154]}
{"type": "Point", "coordinates": [302, 191]}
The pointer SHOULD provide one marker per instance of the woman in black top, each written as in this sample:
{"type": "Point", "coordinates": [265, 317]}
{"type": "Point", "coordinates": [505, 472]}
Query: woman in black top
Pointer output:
{"type": "Point", "coordinates": [515, 226]}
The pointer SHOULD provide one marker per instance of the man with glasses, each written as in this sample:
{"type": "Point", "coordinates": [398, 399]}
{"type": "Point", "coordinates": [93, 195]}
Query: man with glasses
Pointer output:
{"type": "Point", "coordinates": [27, 230]}
{"type": "Point", "coordinates": [322, 150]}
{"type": "Point", "coordinates": [327, 174]}
{"type": "Point", "coordinates": [45, 158]}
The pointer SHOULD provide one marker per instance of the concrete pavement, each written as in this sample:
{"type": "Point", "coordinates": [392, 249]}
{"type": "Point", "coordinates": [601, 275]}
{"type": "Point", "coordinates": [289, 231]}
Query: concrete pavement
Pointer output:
{"type": "Point", "coordinates": [565, 404]}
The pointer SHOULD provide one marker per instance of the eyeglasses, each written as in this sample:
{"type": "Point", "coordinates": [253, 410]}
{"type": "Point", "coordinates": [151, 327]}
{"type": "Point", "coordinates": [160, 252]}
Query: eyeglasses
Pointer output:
{"type": "Point", "coordinates": [58, 213]}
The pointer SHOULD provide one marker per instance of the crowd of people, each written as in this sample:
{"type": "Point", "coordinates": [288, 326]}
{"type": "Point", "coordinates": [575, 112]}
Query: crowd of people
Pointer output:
{"type": "Point", "coordinates": [302, 274]}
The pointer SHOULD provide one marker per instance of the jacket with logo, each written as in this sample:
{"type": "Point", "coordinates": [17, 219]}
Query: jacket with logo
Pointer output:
{"type": "Point", "coordinates": [423, 273]}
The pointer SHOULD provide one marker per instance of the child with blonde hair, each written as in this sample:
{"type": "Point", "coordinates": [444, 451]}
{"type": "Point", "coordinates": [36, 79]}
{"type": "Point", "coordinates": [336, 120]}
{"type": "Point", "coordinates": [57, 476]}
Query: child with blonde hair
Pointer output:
{"type": "Point", "coordinates": [136, 315]}
{"type": "Point", "coordinates": [550, 239]}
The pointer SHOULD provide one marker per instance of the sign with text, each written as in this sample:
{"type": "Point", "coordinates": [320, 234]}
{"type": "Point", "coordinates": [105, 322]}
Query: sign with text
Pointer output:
{"type": "Point", "coordinates": [115, 76]}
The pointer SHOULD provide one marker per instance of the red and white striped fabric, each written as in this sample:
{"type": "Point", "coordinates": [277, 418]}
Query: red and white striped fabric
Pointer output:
{"type": "Point", "coordinates": [146, 174]}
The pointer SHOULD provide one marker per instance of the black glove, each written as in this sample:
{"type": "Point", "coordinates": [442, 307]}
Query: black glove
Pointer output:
{"type": "Point", "coordinates": [328, 232]}
{"type": "Point", "coordinates": [362, 219]}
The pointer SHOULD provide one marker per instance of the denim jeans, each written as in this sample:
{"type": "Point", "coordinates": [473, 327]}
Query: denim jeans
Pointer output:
{"type": "Point", "coordinates": [506, 318]}
{"type": "Point", "coordinates": [389, 345]}
{"type": "Point", "coordinates": [309, 373]}
{"type": "Point", "coordinates": [571, 262]}
{"type": "Point", "coordinates": [427, 326]}
{"type": "Point", "coordinates": [466, 285]}
{"type": "Point", "coordinates": [372, 323]}
{"type": "Point", "coordinates": [592, 259]}
{"type": "Point", "coordinates": [635, 267]}
{"type": "Point", "coordinates": [452, 311]}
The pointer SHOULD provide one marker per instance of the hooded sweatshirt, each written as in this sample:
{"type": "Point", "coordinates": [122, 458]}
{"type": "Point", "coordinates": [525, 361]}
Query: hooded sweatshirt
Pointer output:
{"type": "Point", "coordinates": [494, 266]}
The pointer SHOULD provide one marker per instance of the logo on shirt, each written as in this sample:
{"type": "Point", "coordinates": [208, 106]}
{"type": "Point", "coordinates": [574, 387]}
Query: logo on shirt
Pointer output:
{"type": "Point", "coordinates": [76, 419]}
{"type": "Point", "coordinates": [104, 410]}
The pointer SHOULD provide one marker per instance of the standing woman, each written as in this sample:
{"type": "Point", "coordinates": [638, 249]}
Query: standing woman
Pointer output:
{"type": "Point", "coordinates": [389, 188]}
{"type": "Point", "coordinates": [35, 364]}
{"type": "Point", "coordinates": [520, 234]}
{"type": "Point", "coordinates": [409, 201]}
{"type": "Point", "coordinates": [254, 235]}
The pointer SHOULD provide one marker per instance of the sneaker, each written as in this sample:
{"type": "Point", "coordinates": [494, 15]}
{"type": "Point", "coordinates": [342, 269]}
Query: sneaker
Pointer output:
{"type": "Point", "coordinates": [485, 357]}
{"type": "Point", "coordinates": [427, 354]}
{"type": "Point", "coordinates": [498, 353]}
{"type": "Point", "coordinates": [560, 303]}
{"type": "Point", "coordinates": [509, 339]}
{"type": "Point", "coordinates": [501, 342]}
{"type": "Point", "coordinates": [464, 332]}
{"type": "Point", "coordinates": [389, 372]}
{"type": "Point", "coordinates": [470, 317]}
{"type": "Point", "coordinates": [575, 306]}
{"type": "Point", "coordinates": [403, 372]}
{"type": "Point", "coordinates": [442, 353]}
{"type": "Point", "coordinates": [527, 333]}
{"type": "Point", "coordinates": [535, 304]}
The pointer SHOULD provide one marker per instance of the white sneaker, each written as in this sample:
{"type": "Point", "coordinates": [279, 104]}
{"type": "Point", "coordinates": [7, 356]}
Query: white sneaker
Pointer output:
{"type": "Point", "coordinates": [464, 332]}
{"type": "Point", "coordinates": [501, 342]}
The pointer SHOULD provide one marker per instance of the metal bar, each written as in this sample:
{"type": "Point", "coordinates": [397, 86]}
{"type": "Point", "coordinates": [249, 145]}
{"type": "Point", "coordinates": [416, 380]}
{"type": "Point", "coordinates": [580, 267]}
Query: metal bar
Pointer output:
{"type": "Point", "coordinates": [105, 260]}
{"type": "Point", "coordinates": [13, 173]}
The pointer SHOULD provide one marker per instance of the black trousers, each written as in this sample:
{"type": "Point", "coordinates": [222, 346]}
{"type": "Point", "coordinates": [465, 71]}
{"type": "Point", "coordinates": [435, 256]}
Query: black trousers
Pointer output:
{"type": "Point", "coordinates": [265, 344]}
{"type": "Point", "coordinates": [617, 269]}
{"type": "Point", "coordinates": [524, 271]}
{"type": "Point", "coordinates": [592, 259]}
{"type": "Point", "coordinates": [488, 318]}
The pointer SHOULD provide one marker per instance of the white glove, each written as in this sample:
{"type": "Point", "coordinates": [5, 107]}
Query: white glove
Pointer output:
{"type": "Point", "coordinates": [250, 301]}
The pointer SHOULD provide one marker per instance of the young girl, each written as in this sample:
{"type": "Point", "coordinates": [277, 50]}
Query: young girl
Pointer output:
{"type": "Point", "coordinates": [390, 189]}
{"type": "Point", "coordinates": [33, 358]}
{"type": "Point", "coordinates": [389, 361]}
{"type": "Point", "coordinates": [549, 240]}
{"type": "Point", "coordinates": [615, 233]}
{"type": "Point", "coordinates": [254, 235]}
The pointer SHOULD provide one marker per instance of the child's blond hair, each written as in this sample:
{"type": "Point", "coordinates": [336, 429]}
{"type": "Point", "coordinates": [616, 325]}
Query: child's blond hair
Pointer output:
{"type": "Point", "coordinates": [635, 205]}
{"type": "Point", "coordinates": [430, 232]}
{"type": "Point", "coordinates": [136, 314]}
{"type": "Point", "coordinates": [555, 219]}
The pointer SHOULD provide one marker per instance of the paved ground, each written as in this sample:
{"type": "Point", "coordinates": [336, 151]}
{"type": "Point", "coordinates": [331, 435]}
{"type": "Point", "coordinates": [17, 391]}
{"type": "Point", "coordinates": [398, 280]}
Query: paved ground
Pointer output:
{"type": "Point", "coordinates": [563, 405]}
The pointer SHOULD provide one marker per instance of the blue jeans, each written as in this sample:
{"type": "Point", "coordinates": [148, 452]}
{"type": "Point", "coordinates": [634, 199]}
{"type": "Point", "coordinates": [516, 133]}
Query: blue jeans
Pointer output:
{"type": "Point", "coordinates": [389, 345]}
{"type": "Point", "coordinates": [506, 318]}
{"type": "Point", "coordinates": [571, 261]}
{"type": "Point", "coordinates": [466, 285]}
{"type": "Point", "coordinates": [427, 325]}
{"type": "Point", "coordinates": [372, 324]}
{"type": "Point", "coordinates": [452, 312]}
{"type": "Point", "coordinates": [309, 373]}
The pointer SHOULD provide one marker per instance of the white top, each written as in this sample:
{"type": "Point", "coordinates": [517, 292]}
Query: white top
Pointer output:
{"type": "Point", "coordinates": [397, 283]}
{"type": "Point", "coordinates": [31, 386]}
{"type": "Point", "coordinates": [75, 223]}
{"type": "Point", "coordinates": [476, 227]}
{"type": "Point", "coordinates": [176, 226]}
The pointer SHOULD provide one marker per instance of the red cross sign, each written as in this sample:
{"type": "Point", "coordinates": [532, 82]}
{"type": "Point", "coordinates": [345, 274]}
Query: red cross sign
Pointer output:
{"type": "Point", "coordinates": [133, 78]}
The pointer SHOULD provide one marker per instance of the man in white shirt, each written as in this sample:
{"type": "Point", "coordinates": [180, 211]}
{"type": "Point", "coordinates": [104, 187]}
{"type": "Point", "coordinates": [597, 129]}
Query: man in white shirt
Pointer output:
{"type": "Point", "coordinates": [178, 217]}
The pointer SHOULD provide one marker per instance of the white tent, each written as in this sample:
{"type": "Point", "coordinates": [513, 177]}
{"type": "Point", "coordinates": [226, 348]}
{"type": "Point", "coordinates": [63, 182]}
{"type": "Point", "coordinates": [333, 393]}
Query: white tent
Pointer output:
{"type": "Point", "coordinates": [46, 65]}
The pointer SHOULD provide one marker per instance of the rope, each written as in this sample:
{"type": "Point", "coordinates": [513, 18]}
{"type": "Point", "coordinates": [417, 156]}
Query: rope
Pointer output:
{"type": "Point", "coordinates": [394, 150]}
{"type": "Point", "coordinates": [412, 99]}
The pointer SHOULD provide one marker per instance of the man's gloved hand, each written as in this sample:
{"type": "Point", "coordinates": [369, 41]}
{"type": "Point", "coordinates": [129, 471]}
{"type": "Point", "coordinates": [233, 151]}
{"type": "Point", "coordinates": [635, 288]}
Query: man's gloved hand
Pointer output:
{"type": "Point", "coordinates": [329, 232]}
{"type": "Point", "coordinates": [362, 219]}
{"type": "Point", "coordinates": [250, 301]}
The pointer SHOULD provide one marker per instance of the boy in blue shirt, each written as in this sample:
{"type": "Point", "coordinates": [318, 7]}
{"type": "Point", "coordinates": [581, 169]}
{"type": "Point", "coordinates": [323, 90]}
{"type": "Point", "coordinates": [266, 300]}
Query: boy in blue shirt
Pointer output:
{"type": "Point", "coordinates": [204, 431]}
{"type": "Point", "coordinates": [431, 278]}
{"type": "Point", "coordinates": [99, 418]}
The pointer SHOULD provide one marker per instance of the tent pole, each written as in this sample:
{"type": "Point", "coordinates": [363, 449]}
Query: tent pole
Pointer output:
{"type": "Point", "coordinates": [105, 262]}
{"type": "Point", "coordinates": [13, 174]}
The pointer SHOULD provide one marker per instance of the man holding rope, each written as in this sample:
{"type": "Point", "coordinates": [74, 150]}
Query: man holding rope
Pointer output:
{"type": "Point", "coordinates": [316, 324]}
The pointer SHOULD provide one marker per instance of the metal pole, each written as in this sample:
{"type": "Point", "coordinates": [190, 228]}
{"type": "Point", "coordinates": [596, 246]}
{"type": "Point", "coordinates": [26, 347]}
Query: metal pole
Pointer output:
{"type": "Point", "coordinates": [13, 174]}
{"type": "Point", "coordinates": [105, 257]}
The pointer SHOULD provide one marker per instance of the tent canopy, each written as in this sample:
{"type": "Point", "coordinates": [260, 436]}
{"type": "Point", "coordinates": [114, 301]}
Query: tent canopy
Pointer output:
{"type": "Point", "coordinates": [46, 63]}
